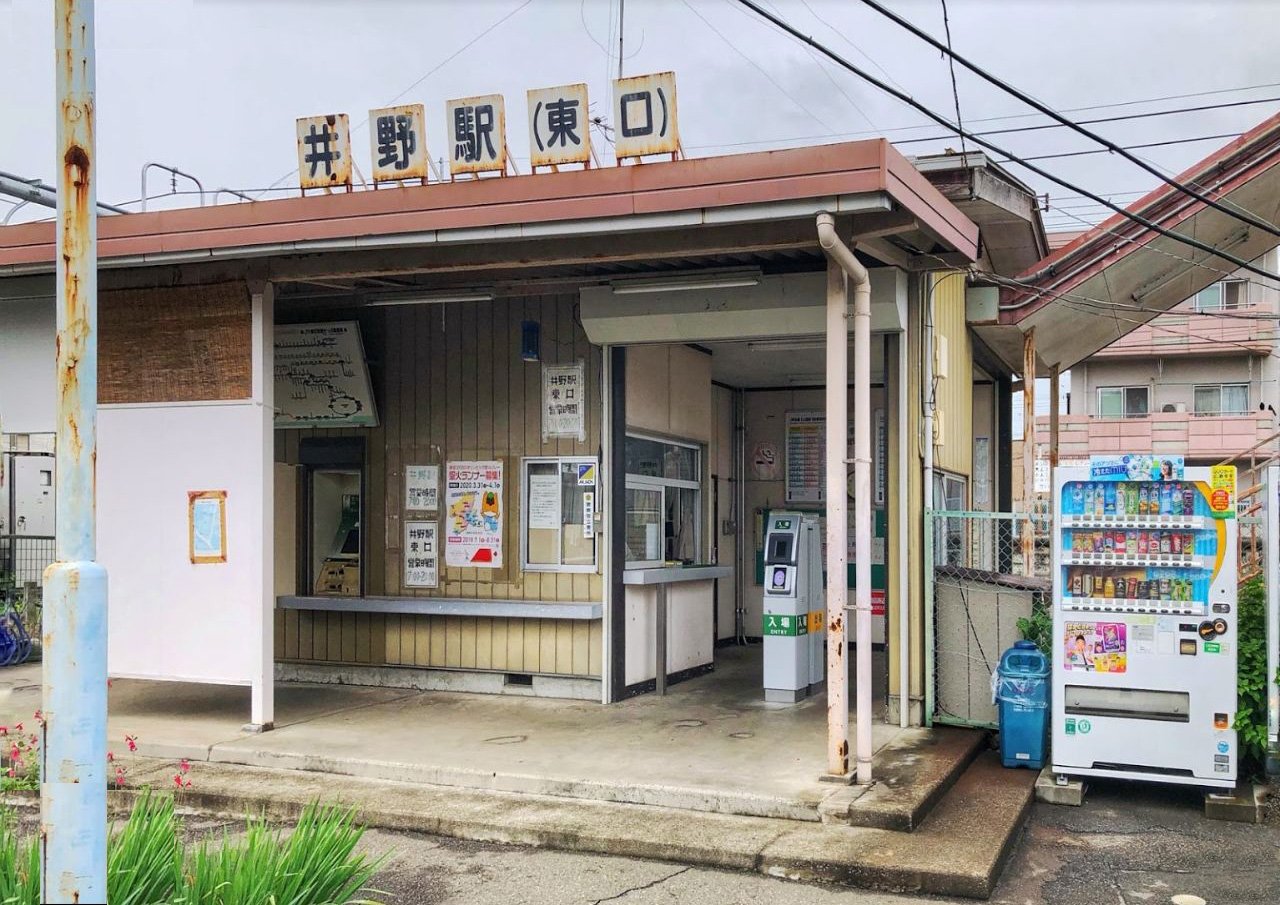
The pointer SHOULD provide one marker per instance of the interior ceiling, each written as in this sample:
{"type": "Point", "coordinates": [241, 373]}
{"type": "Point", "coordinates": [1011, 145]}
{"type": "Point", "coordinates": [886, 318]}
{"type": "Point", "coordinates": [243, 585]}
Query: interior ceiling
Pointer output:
{"type": "Point", "coordinates": [737, 365]}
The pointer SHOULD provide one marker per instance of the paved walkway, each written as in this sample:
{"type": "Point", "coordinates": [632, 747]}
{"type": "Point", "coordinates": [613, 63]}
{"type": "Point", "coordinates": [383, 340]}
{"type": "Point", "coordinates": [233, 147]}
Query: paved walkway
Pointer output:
{"type": "Point", "coordinates": [711, 744]}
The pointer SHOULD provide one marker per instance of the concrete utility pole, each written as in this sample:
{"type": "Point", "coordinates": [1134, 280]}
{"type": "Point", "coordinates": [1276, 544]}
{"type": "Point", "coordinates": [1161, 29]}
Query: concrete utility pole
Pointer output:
{"type": "Point", "coordinates": [73, 790]}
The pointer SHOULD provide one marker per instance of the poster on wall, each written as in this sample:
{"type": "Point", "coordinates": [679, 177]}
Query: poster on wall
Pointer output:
{"type": "Point", "coordinates": [422, 488]}
{"type": "Point", "coordinates": [421, 555]}
{"type": "Point", "coordinates": [564, 401]}
{"type": "Point", "coordinates": [207, 526]}
{"type": "Point", "coordinates": [321, 377]}
{"type": "Point", "coordinates": [806, 457]}
{"type": "Point", "coordinates": [473, 514]}
{"type": "Point", "coordinates": [766, 464]}
{"type": "Point", "coordinates": [544, 501]}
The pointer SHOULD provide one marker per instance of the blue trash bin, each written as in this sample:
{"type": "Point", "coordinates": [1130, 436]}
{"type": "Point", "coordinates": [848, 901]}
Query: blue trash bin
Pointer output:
{"type": "Point", "coordinates": [1022, 694]}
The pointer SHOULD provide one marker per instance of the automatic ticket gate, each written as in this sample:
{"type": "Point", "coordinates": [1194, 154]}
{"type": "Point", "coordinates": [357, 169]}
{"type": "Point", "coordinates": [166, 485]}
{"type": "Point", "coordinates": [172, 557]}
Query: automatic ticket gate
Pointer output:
{"type": "Point", "coordinates": [794, 608]}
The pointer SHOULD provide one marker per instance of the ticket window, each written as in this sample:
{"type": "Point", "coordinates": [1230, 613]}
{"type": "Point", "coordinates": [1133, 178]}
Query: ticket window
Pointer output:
{"type": "Point", "coordinates": [335, 514]}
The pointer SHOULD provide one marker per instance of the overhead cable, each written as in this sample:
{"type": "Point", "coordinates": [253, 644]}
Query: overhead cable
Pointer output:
{"type": "Point", "coordinates": [1040, 171]}
{"type": "Point", "coordinates": [1053, 114]}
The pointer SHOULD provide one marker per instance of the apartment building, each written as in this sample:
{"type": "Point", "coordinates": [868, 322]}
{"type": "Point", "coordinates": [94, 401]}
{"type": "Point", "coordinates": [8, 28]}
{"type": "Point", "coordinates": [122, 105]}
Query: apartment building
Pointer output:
{"type": "Point", "coordinates": [1201, 381]}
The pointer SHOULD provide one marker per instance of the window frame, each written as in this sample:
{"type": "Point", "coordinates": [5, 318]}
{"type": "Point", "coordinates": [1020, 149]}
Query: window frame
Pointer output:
{"type": "Point", "coordinates": [950, 545]}
{"type": "Point", "coordinates": [1242, 300]}
{"type": "Point", "coordinates": [661, 484]}
{"type": "Point", "coordinates": [1218, 387]}
{"type": "Point", "coordinates": [573, 568]}
{"type": "Point", "coordinates": [1124, 390]}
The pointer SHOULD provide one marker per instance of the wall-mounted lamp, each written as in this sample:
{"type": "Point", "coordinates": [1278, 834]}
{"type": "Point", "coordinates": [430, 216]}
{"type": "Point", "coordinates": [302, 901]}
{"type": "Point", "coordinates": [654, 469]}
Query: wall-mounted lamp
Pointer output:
{"type": "Point", "coordinates": [706, 279]}
{"type": "Point", "coordinates": [531, 341]}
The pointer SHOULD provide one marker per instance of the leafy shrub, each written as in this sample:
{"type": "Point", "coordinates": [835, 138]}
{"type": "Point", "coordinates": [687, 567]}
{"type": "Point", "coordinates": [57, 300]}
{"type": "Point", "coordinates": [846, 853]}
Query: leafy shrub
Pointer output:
{"type": "Point", "coordinates": [1251, 703]}
{"type": "Point", "coordinates": [1039, 628]}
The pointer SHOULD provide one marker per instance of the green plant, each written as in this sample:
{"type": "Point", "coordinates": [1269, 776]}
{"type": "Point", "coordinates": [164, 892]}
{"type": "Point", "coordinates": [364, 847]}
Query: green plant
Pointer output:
{"type": "Point", "coordinates": [1251, 686]}
{"type": "Point", "coordinates": [148, 863]}
{"type": "Point", "coordinates": [1038, 628]}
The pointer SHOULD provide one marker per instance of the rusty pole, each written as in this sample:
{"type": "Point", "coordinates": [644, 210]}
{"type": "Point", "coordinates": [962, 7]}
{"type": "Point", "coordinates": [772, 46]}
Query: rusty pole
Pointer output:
{"type": "Point", "coordinates": [1028, 450]}
{"type": "Point", "coordinates": [73, 790]}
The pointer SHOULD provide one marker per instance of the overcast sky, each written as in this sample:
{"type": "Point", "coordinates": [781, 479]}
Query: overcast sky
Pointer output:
{"type": "Point", "coordinates": [213, 86]}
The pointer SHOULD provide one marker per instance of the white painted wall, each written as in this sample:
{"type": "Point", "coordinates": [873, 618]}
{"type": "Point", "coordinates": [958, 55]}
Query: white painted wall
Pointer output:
{"type": "Point", "coordinates": [170, 619]}
{"type": "Point", "coordinates": [27, 384]}
{"type": "Point", "coordinates": [690, 634]}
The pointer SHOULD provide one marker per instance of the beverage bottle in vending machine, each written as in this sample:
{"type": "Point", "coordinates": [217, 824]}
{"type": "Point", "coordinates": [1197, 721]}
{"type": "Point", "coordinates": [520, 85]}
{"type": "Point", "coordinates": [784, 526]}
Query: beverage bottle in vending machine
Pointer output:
{"type": "Point", "coordinates": [1144, 500]}
{"type": "Point", "coordinates": [1122, 504]}
{"type": "Point", "coordinates": [1175, 503]}
{"type": "Point", "coordinates": [1166, 500]}
{"type": "Point", "coordinates": [1099, 500]}
{"type": "Point", "coordinates": [1188, 500]}
{"type": "Point", "coordinates": [1077, 498]}
{"type": "Point", "coordinates": [1109, 501]}
{"type": "Point", "coordinates": [1088, 500]}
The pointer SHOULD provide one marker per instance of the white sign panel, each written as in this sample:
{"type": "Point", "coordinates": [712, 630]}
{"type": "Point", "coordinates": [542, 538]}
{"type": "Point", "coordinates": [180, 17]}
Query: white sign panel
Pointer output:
{"type": "Point", "coordinates": [544, 501]}
{"type": "Point", "coordinates": [321, 377]}
{"type": "Point", "coordinates": [882, 456]}
{"type": "Point", "coordinates": [324, 151]}
{"type": "Point", "coordinates": [473, 514]}
{"type": "Point", "coordinates": [477, 129]}
{"type": "Point", "coordinates": [422, 488]}
{"type": "Point", "coordinates": [1041, 476]}
{"type": "Point", "coordinates": [559, 126]}
{"type": "Point", "coordinates": [644, 115]}
{"type": "Point", "coordinates": [421, 555]}
{"type": "Point", "coordinates": [589, 514]}
{"type": "Point", "coordinates": [398, 141]}
{"type": "Point", "coordinates": [564, 401]}
{"type": "Point", "coordinates": [806, 457]}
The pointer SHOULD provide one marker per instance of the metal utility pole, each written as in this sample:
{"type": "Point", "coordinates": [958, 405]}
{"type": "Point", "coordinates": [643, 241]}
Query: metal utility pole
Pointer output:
{"type": "Point", "coordinates": [622, 8]}
{"type": "Point", "coordinates": [73, 789]}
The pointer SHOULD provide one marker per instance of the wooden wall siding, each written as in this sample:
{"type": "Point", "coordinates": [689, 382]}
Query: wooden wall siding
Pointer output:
{"type": "Point", "coordinates": [955, 393]}
{"type": "Point", "coordinates": [178, 344]}
{"type": "Point", "coordinates": [451, 385]}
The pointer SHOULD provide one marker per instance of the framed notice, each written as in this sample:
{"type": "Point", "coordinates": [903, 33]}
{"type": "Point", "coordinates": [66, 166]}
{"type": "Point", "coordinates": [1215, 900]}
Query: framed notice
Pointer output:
{"type": "Point", "coordinates": [321, 377]}
{"type": "Point", "coordinates": [421, 555]}
{"type": "Point", "coordinates": [806, 456]}
{"type": "Point", "coordinates": [473, 514]}
{"type": "Point", "coordinates": [207, 525]}
{"type": "Point", "coordinates": [422, 488]}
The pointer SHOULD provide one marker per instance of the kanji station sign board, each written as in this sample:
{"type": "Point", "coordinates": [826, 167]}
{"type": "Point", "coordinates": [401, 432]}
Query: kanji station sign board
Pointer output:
{"type": "Point", "coordinates": [559, 124]}
{"type": "Point", "coordinates": [644, 115]}
{"type": "Point", "coordinates": [398, 142]}
{"type": "Point", "coordinates": [477, 134]}
{"type": "Point", "coordinates": [324, 151]}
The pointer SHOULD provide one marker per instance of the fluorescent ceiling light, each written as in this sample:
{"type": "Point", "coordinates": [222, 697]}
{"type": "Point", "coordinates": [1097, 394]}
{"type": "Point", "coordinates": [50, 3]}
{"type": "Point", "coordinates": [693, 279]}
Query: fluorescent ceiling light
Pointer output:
{"type": "Point", "coordinates": [710, 279]}
{"type": "Point", "coordinates": [799, 344]}
{"type": "Point", "coordinates": [428, 298]}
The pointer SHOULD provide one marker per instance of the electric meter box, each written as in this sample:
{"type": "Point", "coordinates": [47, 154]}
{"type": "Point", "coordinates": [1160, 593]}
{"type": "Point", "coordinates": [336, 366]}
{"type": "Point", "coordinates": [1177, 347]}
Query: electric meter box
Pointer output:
{"type": "Point", "coordinates": [1145, 617]}
{"type": "Point", "coordinates": [794, 608]}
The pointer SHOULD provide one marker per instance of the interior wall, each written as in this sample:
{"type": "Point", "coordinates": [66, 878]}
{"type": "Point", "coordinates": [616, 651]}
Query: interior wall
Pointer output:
{"type": "Point", "coordinates": [766, 422]}
{"type": "Point", "coordinates": [669, 393]}
{"type": "Point", "coordinates": [725, 543]}
{"type": "Point", "coordinates": [450, 384]}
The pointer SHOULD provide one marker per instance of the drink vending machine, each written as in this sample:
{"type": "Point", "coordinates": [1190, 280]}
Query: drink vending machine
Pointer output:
{"type": "Point", "coordinates": [1144, 660]}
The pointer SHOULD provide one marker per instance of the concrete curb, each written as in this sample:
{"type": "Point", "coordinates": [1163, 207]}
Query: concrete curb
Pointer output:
{"type": "Point", "coordinates": [958, 851]}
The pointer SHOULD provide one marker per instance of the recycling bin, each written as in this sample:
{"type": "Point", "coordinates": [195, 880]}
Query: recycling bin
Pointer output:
{"type": "Point", "coordinates": [1022, 695]}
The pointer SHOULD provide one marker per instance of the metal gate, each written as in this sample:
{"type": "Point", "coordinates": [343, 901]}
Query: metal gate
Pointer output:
{"type": "Point", "coordinates": [977, 594]}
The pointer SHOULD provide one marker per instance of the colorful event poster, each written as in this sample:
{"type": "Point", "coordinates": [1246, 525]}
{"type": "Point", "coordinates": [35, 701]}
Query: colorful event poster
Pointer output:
{"type": "Point", "coordinates": [1095, 647]}
{"type": "Point", "coordinates": [473, 514]}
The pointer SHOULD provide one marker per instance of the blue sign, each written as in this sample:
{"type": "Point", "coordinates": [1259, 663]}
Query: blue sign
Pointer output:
{"type": "Point", "coordinates": [1136, 467]}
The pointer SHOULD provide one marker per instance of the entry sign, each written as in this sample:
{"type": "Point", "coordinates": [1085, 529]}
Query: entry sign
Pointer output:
{"type": "Point", "coordinates": [398, 140]}
{"type": "Point", "coordinates": [644, 115]}
{"type": "Point", "coordinates": [477, 130]}
{"type": "Point", "coordinates": [559, 126]}
{"type": "Point", "coordinates": [324, 151]}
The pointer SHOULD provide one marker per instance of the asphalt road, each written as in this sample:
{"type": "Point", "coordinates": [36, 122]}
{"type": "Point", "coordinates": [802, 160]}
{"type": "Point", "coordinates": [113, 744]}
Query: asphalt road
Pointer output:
{"type": "Point", "coordinates": [1129, 845]}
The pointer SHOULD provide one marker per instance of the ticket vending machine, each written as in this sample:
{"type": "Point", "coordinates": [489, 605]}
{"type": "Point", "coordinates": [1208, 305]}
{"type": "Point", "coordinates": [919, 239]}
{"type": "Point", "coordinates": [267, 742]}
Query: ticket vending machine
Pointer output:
{"type": "Point", "coordinates": [794, 608]}
{"type": "Point", "coordinates": [1144, 659]}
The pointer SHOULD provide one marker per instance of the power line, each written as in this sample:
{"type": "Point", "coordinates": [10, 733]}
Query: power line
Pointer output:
{"type": "Point", "coordinates": [955, 91]}
{"type": "Point", "coordinates": [764, 72]}
{"type": "Point", "coordinates": [446, 61]}
{"type": "Point", "coordinates": [1040, 171]}
{"type": "Point", "coordinates": [1058, 117]}
{"type": "Point", "coordinates": [1150, 144]}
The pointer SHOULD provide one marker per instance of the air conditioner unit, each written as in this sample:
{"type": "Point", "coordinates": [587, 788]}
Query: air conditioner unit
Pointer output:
{"type": "Point", "coordinates": [1174, 407]}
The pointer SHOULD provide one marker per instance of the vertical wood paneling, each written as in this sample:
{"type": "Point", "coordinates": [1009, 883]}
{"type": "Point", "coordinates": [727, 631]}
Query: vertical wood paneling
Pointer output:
{"type": "Point", "coordinates": [454, 387]}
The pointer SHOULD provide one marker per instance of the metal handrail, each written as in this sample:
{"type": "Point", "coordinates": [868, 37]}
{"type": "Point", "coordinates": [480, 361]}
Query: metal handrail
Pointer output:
{"type": "Point", "coordinates": [168, 169]}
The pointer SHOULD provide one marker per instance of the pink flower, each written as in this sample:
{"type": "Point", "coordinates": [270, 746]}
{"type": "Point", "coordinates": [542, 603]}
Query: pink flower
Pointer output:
{"type": "Point", "coordinates": [4, 730]}
{"type": "Point", "coordinates": [184, 765]}
{"type": "Point", "coordinates": [110, 757]}
{"type": "Point", "coordinates": [132, 742]}
{"type": "Point", "coordinates": [17, 727]}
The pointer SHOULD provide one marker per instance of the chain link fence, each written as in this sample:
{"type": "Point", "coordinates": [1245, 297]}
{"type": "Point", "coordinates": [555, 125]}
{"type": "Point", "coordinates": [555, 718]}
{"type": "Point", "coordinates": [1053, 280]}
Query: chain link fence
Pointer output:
{"type": "Point", "coordinates": [978, 587]}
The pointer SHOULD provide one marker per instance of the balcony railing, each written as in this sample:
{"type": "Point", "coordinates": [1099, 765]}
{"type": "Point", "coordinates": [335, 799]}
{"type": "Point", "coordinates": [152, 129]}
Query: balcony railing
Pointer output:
{"type": "Point", "coordinates": [1214, 437]}
{"type": "Point", "coordinates": [1184, 332]}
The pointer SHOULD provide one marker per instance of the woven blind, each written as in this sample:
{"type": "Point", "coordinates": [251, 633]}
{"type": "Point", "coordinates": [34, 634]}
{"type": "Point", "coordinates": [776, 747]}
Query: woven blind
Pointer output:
{"type": "Point", "coordinates": [180, 344]}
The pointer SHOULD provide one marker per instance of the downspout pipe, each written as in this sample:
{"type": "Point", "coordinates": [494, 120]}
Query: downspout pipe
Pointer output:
{"type": "Point", "coordinates": [839, 254]}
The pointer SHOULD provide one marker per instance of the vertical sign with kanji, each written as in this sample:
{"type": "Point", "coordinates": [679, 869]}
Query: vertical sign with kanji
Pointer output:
{"type": "Point", "coordinates": [564, 401]}
{"type": "Point", "coordinates": [421, 555]}
{"type": "Point", "coordinates": [559, 126]}
{"type": "Point", "coordinates": [324, 151]}
{"type": "Point", "coordinates": [398, 139]}
{"type": "Point", "coordinates": [477, 130]}
{"type": "Point", "coordinates": [644, 115]}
